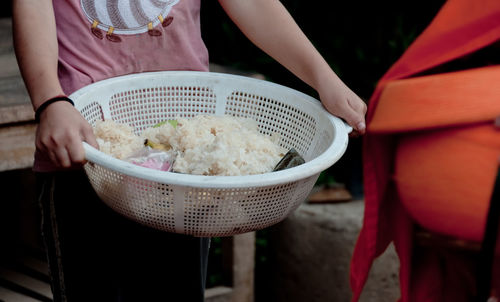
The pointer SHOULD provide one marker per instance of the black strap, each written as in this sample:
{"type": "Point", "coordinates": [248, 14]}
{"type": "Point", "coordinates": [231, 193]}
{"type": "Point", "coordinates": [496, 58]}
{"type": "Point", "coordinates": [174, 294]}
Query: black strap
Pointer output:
{"type": "Point", "coordinates": [42, 107]}
{"type": "Point", "coordinates": [487, 252]}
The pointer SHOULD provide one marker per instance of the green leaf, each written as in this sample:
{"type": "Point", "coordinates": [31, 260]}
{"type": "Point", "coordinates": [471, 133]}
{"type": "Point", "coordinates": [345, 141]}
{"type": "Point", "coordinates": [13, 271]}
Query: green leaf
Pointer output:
{"type": "Point", "coordinates": [171, 122]}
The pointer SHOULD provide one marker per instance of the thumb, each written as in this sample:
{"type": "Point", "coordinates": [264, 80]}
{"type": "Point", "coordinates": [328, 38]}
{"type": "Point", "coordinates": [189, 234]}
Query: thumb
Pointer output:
{"type": "Point", "coordinates": [89, 137]}
{"type": "Point", "coordinates": [355, 119]}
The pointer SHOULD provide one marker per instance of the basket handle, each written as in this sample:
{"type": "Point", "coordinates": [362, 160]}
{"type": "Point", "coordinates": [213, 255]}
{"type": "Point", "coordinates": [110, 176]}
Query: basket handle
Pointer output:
{"type": "Point", "coordinates": [348, 127]}
{"type": "Point", "coordinates": [91, 153]}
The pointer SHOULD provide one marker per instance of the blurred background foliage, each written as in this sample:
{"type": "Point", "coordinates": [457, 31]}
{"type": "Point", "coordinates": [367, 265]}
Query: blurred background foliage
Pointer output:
{"type": "Point", "coordinates": [359, 39]}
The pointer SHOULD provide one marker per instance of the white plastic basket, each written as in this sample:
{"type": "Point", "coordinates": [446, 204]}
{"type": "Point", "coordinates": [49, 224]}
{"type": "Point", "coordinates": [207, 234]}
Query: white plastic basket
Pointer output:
{"type": "Point", "coordinates": [208, 205]}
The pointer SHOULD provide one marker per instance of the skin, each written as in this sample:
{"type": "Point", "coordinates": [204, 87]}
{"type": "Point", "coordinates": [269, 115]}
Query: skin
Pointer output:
{"type": "Point", "coordinates": [62, 128]}
{"type": "Point", "coordinates": [270, 27]}
{"type": "Point", "coordinates": [265, 22]}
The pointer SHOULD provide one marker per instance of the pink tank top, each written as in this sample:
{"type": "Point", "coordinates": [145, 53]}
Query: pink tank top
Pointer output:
{"type": "Point", "coordinates": [99, 39]}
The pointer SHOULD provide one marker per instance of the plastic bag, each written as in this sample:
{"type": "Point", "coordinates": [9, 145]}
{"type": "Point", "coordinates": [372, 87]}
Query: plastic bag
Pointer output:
{"type": "Point", "coordinates": [154, 159]}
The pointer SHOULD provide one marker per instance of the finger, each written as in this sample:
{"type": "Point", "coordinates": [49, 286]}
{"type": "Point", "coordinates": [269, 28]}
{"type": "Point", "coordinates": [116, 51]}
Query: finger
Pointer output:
{"type": "Point", "coordinates": [357, 104]}
{"type": "Point", "coordinates": [62, 157]}
{"type": "Point", "coordinates": [355, 119]}
{"type": "Point", "coordinates": [53, 157]}
{"type": "Point", "coordinates": [89, 137]}
{"type": "Point", "coordinates": [360, 108]}
{"type": "Point", "coordinates": [75, 152]}
{"type": "Point", "coordinates": [354, 134]}
{"type": "Point", "coordinates": [43, 145]}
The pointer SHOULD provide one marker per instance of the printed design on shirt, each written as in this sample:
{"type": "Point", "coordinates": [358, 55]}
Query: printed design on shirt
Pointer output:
{"type": "Point", "coordinates": [127, 17]}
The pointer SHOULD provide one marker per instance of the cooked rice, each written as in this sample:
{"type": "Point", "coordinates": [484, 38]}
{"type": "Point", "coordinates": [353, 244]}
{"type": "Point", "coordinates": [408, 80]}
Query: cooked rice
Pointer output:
{"type": "Point", "coordinates": [116, 139]}
{"type": "Point", "coordinates": [207, 145]}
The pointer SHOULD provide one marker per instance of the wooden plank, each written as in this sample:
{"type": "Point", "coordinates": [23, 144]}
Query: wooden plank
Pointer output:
{"type": "Point", "coordinates": [17, 147]}
{"type": "Point", "coordinates": [16, 113]}
{"type": "Point", "coordinates": [330, 195]}
{"type": "Point", "coordinates": [35, 265]}
{"type": "Point", "coordinates": [30, 267]}
{"type": "Point", "coordinates": [24, 281]}
{"type": "Point", "coordinates": [5, 34]}
{"type": "Point", "coordinates": [7, 295]}
{"type": "Point", "coordinates": [12, 91]}
{"type": "Point", "coordinates": [9, 64]}
{"type": "Point", "coordinates": [218, 294]}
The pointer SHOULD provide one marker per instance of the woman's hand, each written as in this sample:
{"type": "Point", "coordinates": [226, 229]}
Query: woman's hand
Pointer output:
{"type": "Point", "coordinates": [269, 26]}
{"type": "Point", "coordinates": [341, 101]}
{"type": "Point", "coordinates": [61, 132]}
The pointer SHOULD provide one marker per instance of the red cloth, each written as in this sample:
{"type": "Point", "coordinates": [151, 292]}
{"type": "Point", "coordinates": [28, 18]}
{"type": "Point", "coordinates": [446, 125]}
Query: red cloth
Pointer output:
{"type": "Point", "coordinates": [461, 27]}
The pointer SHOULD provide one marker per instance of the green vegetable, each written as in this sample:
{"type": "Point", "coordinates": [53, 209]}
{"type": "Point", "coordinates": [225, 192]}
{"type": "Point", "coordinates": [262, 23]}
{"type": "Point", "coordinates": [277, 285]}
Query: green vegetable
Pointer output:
{"type": "Point", "coordinates": [171, 122]}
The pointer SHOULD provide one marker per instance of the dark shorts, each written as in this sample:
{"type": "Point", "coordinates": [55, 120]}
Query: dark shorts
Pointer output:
{"type": "Point", "coordinates": [96, 254]}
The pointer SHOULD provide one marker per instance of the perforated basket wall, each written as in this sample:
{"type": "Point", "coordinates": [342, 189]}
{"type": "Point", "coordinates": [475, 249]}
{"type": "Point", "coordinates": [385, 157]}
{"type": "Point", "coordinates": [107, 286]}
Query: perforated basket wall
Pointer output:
{"type": "Point", "coordinates": [208, 205]}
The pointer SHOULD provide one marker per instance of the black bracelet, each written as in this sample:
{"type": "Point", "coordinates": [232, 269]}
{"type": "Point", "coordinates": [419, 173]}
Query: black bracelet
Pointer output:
{"type": "Point", "coordinates": [48, 102]}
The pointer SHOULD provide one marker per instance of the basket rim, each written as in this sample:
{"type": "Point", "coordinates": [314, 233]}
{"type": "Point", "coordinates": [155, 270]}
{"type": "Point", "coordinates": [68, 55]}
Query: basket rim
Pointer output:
{"type": "Point", "coordinates": [326, 159]}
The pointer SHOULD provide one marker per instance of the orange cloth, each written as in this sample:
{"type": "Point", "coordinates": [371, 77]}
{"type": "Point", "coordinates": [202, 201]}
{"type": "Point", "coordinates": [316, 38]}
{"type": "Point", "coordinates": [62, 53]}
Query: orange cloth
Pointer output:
{"type": "Point", "coordinates": [461, 27]}
{"type": "Point", "coordinates": [440, 100]}
{"type": "Point", "coordinates": [444, 177]}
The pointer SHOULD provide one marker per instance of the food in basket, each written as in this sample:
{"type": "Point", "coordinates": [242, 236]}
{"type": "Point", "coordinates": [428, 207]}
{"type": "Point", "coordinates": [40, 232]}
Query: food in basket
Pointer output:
{"type": "Point", "coordinates": [116, 139]}
{"type": "Point", "coordinates": [290, 160]}
{"type": "Point", "coordinates": [152, 158]}
{"type": "Point", "coordinates": [203, 145]}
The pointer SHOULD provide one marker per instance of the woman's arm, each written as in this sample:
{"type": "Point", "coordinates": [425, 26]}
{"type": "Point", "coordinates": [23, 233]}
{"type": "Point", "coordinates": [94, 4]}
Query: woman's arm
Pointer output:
{"type": "Point", "coordinates": [270, 27]}
{"type": "Point", "coordinates": [62, 128]}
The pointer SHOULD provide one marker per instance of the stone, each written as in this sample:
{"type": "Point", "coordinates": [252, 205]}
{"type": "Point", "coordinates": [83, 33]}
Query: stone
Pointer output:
{"type": "Point", "coordinates": [311, 253]}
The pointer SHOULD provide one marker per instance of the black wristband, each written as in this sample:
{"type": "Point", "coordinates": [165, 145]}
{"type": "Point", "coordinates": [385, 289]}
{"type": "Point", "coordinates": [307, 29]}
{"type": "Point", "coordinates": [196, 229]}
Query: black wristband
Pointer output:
{"type": "Point", "coordinates": [48, 102]}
